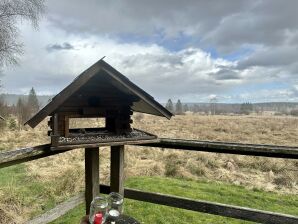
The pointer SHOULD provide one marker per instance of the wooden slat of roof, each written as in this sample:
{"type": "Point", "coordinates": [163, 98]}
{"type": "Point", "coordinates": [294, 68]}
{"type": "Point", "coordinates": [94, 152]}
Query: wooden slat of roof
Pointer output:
{"type": "Point", "coordinates": [2, 118]}
{"type": "Point", "coordinates": [148, 99]}
{"type": "Point", "coordinates": [152, 106]}
{"type": "Point", "coordinates": [63, 95]}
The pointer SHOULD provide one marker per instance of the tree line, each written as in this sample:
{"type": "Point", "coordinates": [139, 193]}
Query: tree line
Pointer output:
{"type": "Point", "coordinates": [208, 108]}
{"type": "Point", "coordinates": [16, 115]}
{"type": "Point", "coordinates": [178, 108]}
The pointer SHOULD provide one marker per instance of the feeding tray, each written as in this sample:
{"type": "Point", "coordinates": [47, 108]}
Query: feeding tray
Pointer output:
{"type": "Point", "coordinates": [101, 137]}
{"type": "Point", "coordinates": [99, 92]}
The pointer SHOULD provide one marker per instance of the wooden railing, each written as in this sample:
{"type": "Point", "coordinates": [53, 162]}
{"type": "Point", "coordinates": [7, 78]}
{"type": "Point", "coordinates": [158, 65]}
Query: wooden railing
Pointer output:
{"type": "Point", "coordinates": [9, 158]}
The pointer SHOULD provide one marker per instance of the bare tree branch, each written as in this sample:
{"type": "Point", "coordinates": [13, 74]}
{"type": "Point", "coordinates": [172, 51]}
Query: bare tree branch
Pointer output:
{"type": "Point", "coordinates": [11, 12]}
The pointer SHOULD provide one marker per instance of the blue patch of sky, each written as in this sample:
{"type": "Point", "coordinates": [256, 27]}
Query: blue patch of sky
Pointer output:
{"type": "Point", "coordinates": [253, 88]}
{"type": "Point", "coordinates": [239, 54]}
{"type": "Point", "coordinates": [212, 51]}
{"type": "Point", "coordinates": [182, 41]}
{"type": "Point", "coordinates": [173, 43]}
{"type": "Point", "coordinates": [234, 56]}
{"type": "Point", "coordinates": [260, 86]}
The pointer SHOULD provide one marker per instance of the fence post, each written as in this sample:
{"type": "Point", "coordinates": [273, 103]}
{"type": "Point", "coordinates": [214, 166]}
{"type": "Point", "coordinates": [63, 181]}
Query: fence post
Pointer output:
{"type": "Point", "coordinates": [91, 175]}
{"type": "Point", "coordinates": [117, 169]}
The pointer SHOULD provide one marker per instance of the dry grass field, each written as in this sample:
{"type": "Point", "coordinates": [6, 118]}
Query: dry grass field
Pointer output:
{"type": "Point", "coordinates": [62, 175]}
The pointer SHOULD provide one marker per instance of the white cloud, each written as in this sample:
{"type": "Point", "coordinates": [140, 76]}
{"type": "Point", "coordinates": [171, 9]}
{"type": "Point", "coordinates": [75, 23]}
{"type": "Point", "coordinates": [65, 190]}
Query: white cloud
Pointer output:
{"type": "Point", "coordinates": [162, 73]}
{"type": "Point", "coordinates": [72, 38]}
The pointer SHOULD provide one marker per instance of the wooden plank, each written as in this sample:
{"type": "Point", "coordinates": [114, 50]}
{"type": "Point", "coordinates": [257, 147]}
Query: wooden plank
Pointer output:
{"type": "Point", "coordinates": [227, 148]}
{"type": "Point", "coordinates": [66, 126]}
{"type": "Point", "coordinates": [117, 169]}
{"type": "Point", "coordinates": [59, 210]}
{"type": "Point", "coordinates": [91, 175]}
{"type": "Point", "coordinates": [56, 124]}
{"type": "Point", "coordinates": [13, 157]}
{"type": "Point", "coordinates": [98, 144]}
{"type": "Point", "coordinates": [64, 94]}
{"type": "Point", "coordinates": [22, 155]}
{"type": "Point", "coordinates": [122, 81]}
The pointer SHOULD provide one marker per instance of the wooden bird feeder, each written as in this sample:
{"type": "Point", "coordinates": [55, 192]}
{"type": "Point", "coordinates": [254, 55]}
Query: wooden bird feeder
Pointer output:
{"type": "Point", "coordinates": [99, 92]}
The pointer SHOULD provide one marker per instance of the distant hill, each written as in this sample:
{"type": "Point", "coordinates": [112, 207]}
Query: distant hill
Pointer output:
{"type": "Point", "coordinates": [283, 107]}
{"type": "Point", "coordinates": [12, 99]}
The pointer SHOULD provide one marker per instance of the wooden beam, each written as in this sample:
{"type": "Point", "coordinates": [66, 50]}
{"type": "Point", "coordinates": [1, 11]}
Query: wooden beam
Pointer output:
{"type": "Point", "coordinates": [91, 175]}
{"type": "Point", "coordinates": [287, 152]}
{"type": "Point", "coordinates": [58, 211]}
{"type": "Point", "coordinates": [106, 143]}
{"type": "Point", "coordinates": [66, 126]}
{"type": "Point", "coordinates": [56, 124]}
{"type": "Point", "coordinates": [117, 169]}
{"type": "Point", "coordinates": [22, 155]}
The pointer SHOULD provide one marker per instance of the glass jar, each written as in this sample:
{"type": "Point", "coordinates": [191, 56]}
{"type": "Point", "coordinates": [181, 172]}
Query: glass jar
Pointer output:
{"type": "Point", "coordinates": [98, 207]}
{"type": "Point", "coordinates": [115, 205]}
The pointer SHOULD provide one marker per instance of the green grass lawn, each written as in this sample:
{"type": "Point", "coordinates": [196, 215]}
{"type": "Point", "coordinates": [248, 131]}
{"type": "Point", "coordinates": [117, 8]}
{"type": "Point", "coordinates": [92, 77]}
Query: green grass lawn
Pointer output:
{"type": "Point", "coordinates": [22, 191]}
{"type": "Point", "coordinates": [212, 191]}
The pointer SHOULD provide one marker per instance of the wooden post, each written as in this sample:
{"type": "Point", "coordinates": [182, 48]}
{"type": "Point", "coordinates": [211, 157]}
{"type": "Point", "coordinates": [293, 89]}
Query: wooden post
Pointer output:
{"type": "Point", "coordinates": [117, 169]}
{"type": "Point", "coordinates": [91, 175]}
{"type": "Point", "coordinates": [66, 126]}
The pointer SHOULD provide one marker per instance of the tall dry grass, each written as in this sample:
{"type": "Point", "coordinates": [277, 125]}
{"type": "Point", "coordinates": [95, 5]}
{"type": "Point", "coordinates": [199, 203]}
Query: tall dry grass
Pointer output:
{"type": "Point", "coordinates": [63, 174]}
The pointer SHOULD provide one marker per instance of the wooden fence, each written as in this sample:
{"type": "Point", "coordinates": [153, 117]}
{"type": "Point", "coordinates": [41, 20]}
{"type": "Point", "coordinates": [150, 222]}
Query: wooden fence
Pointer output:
{"type": "Point", "coordinates": [9, 158]}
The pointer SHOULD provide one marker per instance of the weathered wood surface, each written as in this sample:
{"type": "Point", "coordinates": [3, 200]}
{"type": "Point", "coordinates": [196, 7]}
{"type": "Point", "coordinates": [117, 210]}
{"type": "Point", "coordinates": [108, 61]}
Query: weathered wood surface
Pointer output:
{"type": "Point", "coordinates": [9, 158]}
{"type": "Point", "coordinates": [105, 74]}
{"type": "Point", "coordinates": [117, 169]}
{"type": "Point", "coordinates": [91, 175]}
{"type": "Point", "coordinates": [59, 210]}
{"type": "Point", "coordinates": [227, 148]}
{"type": "Point", "coordinates": [98, 144]}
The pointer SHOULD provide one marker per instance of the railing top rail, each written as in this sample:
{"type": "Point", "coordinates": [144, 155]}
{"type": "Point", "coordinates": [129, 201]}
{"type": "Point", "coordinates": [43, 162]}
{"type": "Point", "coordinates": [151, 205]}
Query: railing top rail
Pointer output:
{"type": "Point", "coordinates": [289, 152]}
{"type": "Point", "coordinates": [13, 157]}
{"type": "Point", "coordinates": [17, 156]}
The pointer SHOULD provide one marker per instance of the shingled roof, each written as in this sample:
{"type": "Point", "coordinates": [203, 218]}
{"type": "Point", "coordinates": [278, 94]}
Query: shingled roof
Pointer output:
{"type": "Point", "coordinates": [101, 69]}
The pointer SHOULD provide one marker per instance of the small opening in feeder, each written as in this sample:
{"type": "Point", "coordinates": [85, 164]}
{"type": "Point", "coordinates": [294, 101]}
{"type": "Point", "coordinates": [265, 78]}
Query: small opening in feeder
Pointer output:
{"type": "Point", "coordinates": [81, 123]}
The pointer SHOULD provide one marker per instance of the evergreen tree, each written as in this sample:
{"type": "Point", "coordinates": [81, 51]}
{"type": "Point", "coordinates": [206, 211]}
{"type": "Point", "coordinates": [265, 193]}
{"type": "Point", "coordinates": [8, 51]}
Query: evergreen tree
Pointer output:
{"type": "Point", "coordinates": [32, 104]}
{"type": "Point", "coordinates": [170, 106]}
{"type": "Point", "coordinates": [179, 109]}
{"type": "Point", "coordinates": [246, 108]}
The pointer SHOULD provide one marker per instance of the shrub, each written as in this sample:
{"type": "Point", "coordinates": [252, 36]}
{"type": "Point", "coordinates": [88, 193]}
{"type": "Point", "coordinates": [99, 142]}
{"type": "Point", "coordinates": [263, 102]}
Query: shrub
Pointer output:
{"type": "Point", "coordinates": [171, 169]}
{"type": "Point", "coordinates": [294, 112]}
{"type": "Point", "coordinates": [199, 170]}
{"type": "Point", "coordinates": [2, 124]}
{"type": "Point", "coordinates": [12, 124]}
{"type": "Point", "coordinates": [285, 179]}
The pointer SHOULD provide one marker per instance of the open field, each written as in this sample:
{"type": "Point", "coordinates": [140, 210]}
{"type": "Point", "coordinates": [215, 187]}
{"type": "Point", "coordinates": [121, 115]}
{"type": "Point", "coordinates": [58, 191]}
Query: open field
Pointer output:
{"type": "Point", "coordinates": [34, 187]}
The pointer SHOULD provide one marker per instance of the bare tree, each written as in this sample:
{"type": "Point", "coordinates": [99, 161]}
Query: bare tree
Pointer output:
{"type": "Point", "coordinates": [213, 102]}
{"type": "Point", "coordinates": [12, 12]}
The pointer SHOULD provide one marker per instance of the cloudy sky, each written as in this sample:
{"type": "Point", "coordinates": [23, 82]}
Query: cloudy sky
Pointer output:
{"type": "Point", "coordinates": [194, 50]}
